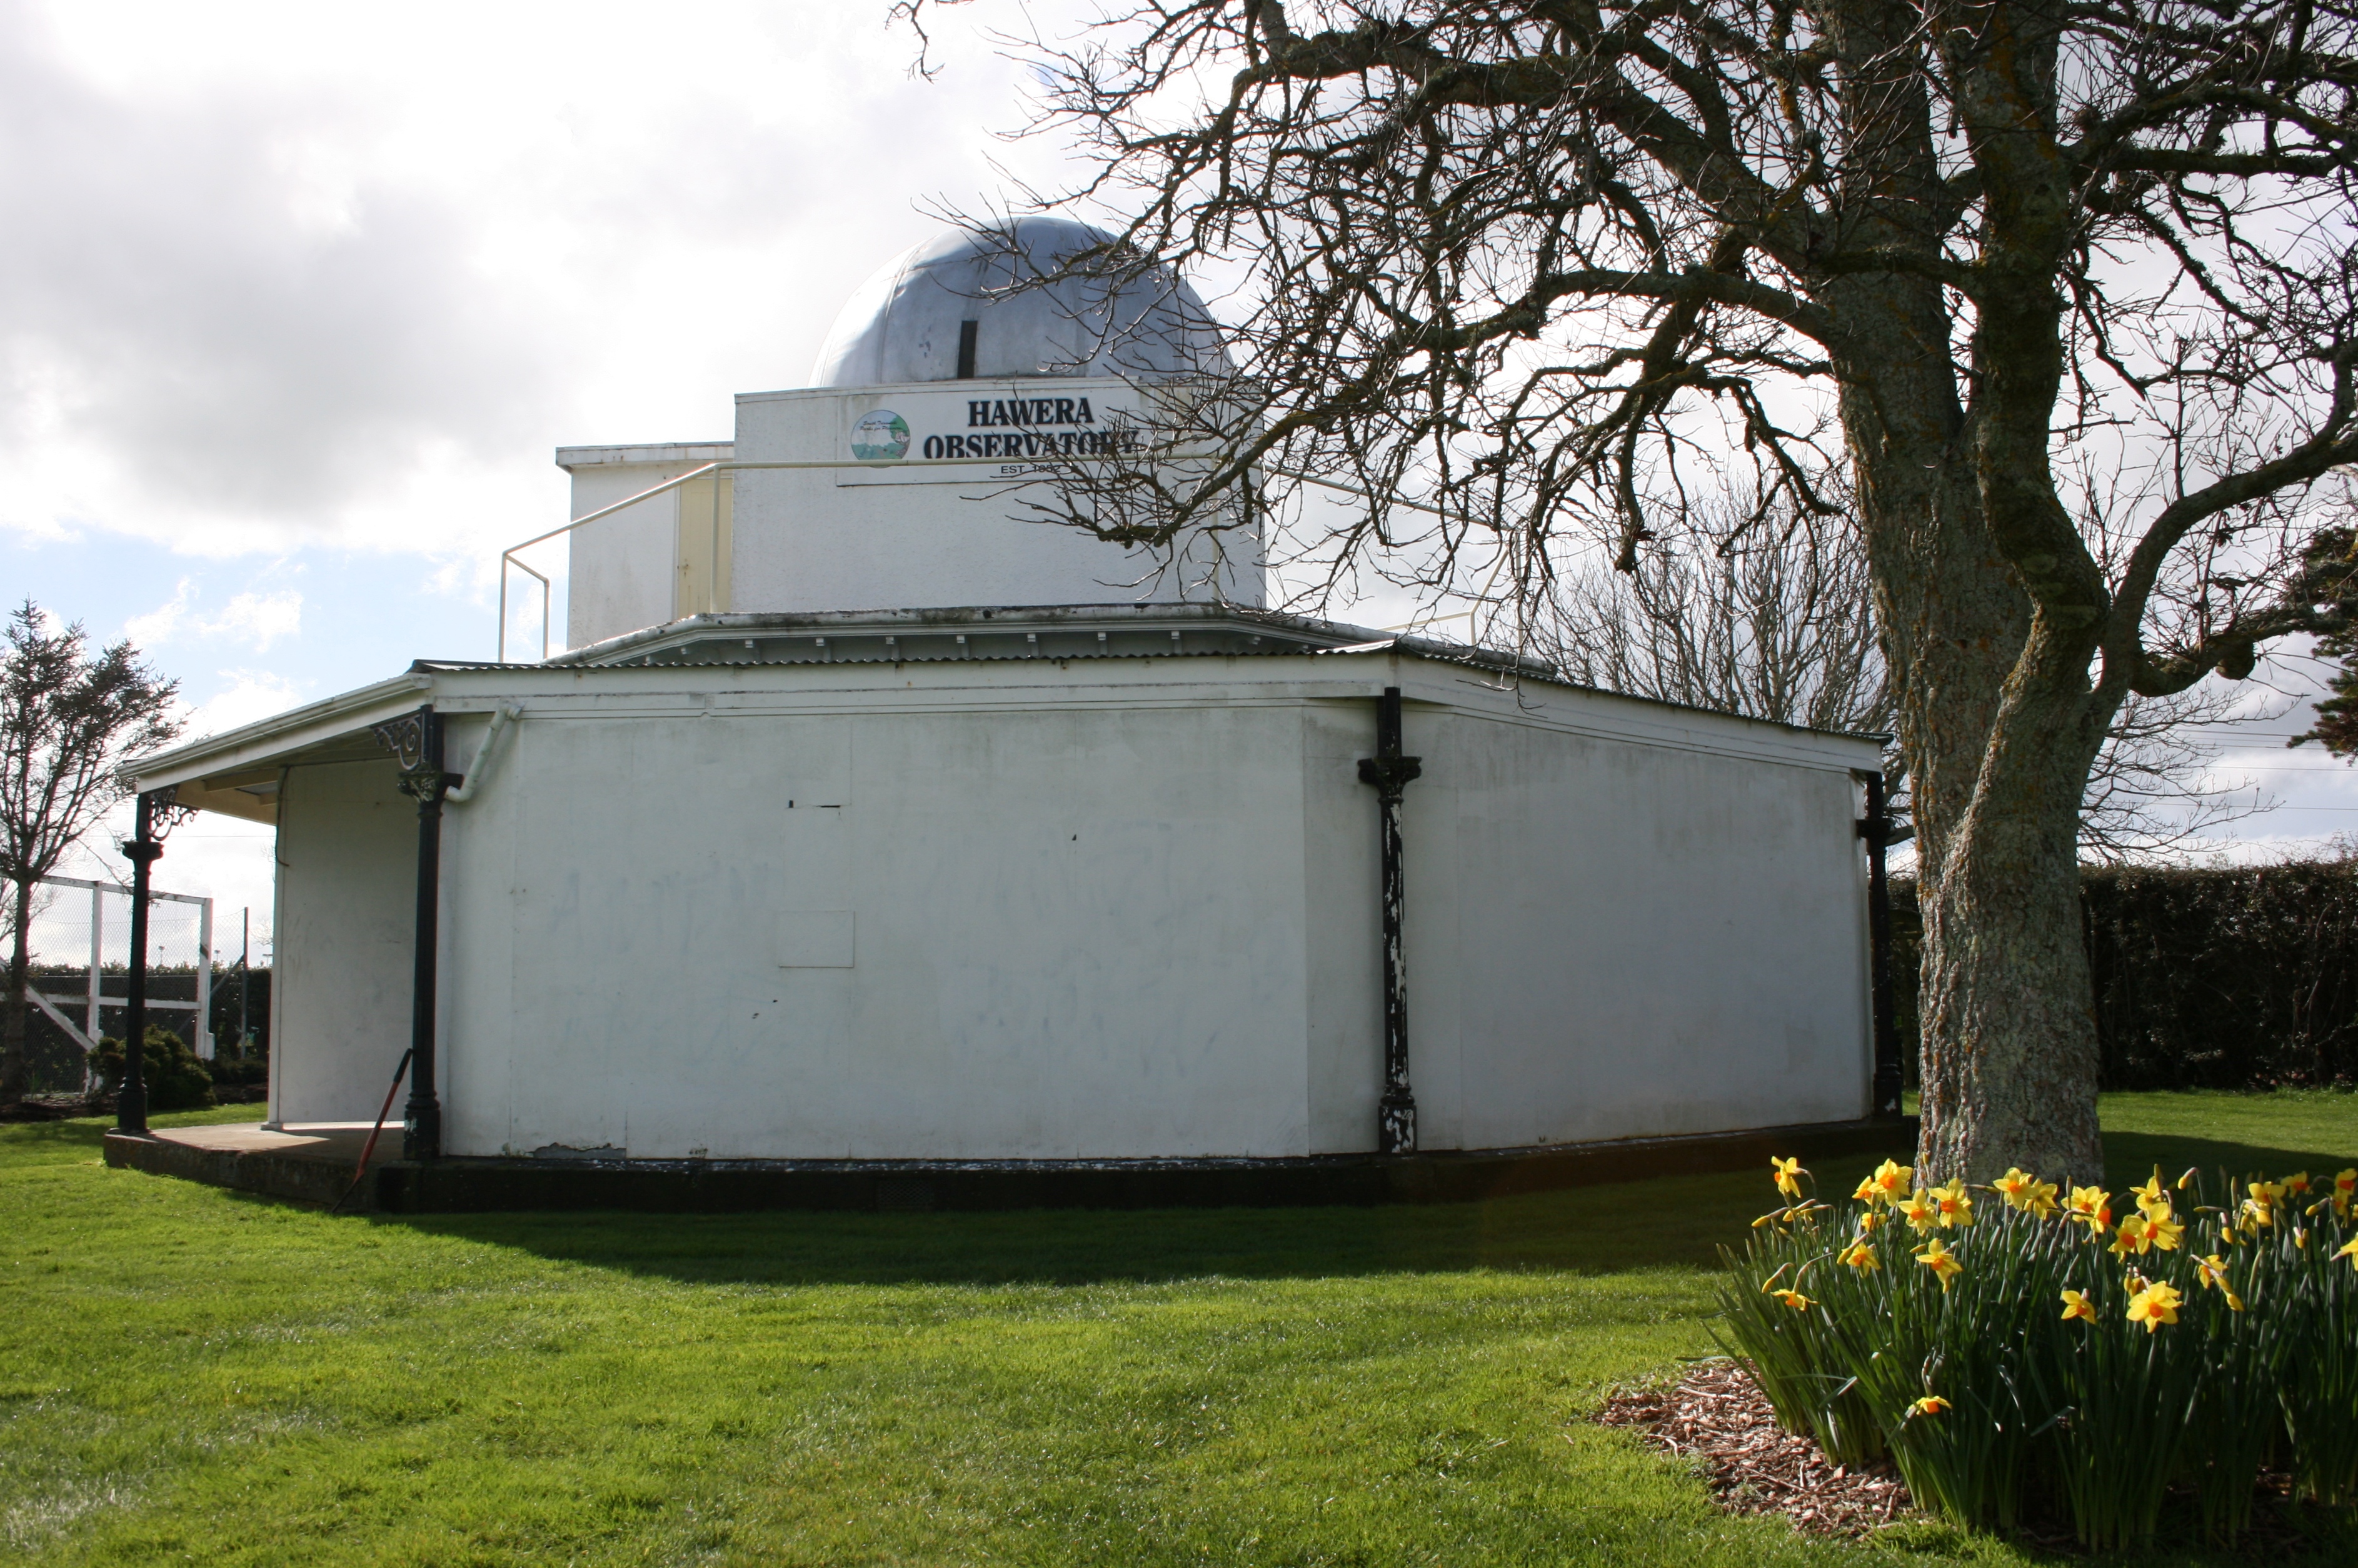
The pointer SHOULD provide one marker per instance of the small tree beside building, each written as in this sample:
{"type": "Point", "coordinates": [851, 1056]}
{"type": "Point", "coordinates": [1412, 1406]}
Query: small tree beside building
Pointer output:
{"type": "Point", "coordinates": [69, 718]}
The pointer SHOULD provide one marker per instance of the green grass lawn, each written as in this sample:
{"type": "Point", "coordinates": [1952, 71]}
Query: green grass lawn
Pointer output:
{"type": "Point", "coordinates": [190, 1375]}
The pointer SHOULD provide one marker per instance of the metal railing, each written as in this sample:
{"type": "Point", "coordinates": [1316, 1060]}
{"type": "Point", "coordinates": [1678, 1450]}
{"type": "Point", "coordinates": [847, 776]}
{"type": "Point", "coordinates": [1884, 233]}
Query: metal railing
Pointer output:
{"type": "Point", "coordinates": [508, 555]}
{"type": "Point", "coordinates": [712, 579]}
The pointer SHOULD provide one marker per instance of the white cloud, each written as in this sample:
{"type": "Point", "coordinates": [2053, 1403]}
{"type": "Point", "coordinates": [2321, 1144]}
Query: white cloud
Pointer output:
{"type": "Point", "coordinates": [159, 624]}
{"type": "Point", "coordinates": [254, 620]}
{"type": "Point", "coordinates": [260, 618]}
{"type": "Point", "coordinates": [251, 695]}
{"type": "Point", "coordinates": [282, 274]}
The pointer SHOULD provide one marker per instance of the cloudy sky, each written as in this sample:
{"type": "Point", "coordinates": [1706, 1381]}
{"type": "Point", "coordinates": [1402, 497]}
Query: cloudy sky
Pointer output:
{"type": "Point", "coordinates": [298, 298]}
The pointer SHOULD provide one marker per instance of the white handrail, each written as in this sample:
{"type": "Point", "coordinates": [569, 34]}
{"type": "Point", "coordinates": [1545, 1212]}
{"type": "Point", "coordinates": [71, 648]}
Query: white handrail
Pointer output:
{"type": "Point", "coordinates": [508, 556]}
{"type": "Point", "coordinates": [1423, 622]}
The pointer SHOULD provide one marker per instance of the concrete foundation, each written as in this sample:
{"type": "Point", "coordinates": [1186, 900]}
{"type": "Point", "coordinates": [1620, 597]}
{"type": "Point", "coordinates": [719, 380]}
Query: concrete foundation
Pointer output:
{"type": "Point", "coordinates": [307, 1168]}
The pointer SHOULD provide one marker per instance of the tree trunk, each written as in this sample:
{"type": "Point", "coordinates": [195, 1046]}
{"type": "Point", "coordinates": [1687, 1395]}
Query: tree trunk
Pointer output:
{"type": "Point", "coordinates": [1999, 729]}
{"type": "Point", "coordinates": [2008, 1056]}
{"type": "Point", "coordinates": [12, 1049]}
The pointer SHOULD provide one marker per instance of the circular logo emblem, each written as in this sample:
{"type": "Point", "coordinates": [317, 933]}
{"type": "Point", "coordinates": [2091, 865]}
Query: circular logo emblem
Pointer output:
{"type": "Point", "coordinates": [880, 436]}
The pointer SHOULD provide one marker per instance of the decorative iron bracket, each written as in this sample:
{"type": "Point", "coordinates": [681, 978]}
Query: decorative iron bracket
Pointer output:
{"type": "Point", "coordinates": [164, 813]}
{"type": "Point", "coordinates": [422, 778]}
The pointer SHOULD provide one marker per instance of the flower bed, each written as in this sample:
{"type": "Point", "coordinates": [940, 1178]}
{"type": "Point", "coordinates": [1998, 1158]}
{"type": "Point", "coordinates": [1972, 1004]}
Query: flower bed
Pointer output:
{"type": "Point", "coordinates": [2018, 1351]}
{"type": "Point", "coordinates": [1715, 1416]}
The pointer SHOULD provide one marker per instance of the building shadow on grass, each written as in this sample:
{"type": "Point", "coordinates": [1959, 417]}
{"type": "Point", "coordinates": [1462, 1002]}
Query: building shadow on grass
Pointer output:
{"type": "Point", "coordinates": [1670, 1223]}
{"type": "Point", "coordinates": [1675, 1224]}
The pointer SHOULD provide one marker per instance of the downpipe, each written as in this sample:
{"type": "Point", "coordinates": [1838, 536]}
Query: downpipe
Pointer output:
{"type": "Point", "coordinates": [1876, 829]}
{"type": "Point", "coordinates": [1389, 772]}
{"type": "Point", "coordinates": [415, 740]}
{"type": "Point", "coordinates": [479, 768]}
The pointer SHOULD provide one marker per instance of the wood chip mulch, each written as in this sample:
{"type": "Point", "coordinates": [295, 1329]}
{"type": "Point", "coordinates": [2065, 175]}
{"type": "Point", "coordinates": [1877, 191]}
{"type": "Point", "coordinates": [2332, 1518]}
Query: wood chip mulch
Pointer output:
{"type": "Point", "coordinates": [1718, 1415]}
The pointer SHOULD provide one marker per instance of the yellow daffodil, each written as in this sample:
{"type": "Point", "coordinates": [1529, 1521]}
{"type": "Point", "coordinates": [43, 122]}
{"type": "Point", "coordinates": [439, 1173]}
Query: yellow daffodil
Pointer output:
{"type": "Point", "coordinates": [1860, 1255]}
{"type": "Point", "coordinates": [2187, 1180]}
{"type": "Point", "coordinates": [2345, 1190]}
{"type": "Point", "coordinates": [2077, 1304]}
{"type": "Point", "coordinates": [1956, 1208]}
{"type": "Point", "coordinates": [1868, 1221]}
{"type": "Point", "coordinates": [1866, 1192]}
{"type": "Point", "coordinates": [1892, 1181]}
{"type": "Point", "coordinates": [2163, 1231]}
{"type": "Point", "coordinates": [2135, 1236]}
{"type": "Point", "coordinates": [1793, 1299]}
{"type": "Point", "coordinates": [1930, 1404]}
{"type": "Point", "coordinates": [2262, 1205]}
{"type": "Point", "coordinates": [2350, 1250]}
{"type": "Point", "coordinates": [2013, 1185]}
{"type": "Point", "coordinates": [2087, 1205]}
{"type": "Point", "coordinates": [2154, 1305]}
{"type": "Point", "coordinates": [2211, 1272]}
{"type": "Point", "coordinates": [1786, 1170]}
{"type": "Point", "coordinates": [1941, 1261]}
{"type": "Point", "coordinates": [2149, 1194]}
{"type": "Point", "coordinates": [2296, 1184]}
{"type": "Point", "coordinates": [1921, 1211]}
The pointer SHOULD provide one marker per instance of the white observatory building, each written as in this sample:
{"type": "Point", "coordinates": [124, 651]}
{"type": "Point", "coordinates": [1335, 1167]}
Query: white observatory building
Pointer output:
{"type": "Point", "coordinates": [863, 819]}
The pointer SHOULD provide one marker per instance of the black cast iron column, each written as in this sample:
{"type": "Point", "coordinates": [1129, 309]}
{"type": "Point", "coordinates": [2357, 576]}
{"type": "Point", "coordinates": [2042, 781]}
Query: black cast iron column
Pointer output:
{"type": "Point", "coordinates": [416, 739]}
{"type": "Point", "coordinates": [1389, 772]}
{"type": "Point", "coordinates": [143, 852]}
{"type": "Point", "coordinates": [1876, 831]}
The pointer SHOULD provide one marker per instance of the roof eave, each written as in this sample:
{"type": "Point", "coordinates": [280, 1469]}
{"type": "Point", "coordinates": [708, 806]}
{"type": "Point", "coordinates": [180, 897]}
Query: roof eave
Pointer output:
{"type": "Point", "coordinates": [251, 745]}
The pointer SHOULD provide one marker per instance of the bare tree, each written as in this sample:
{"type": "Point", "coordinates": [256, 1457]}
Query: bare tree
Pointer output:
{"type": "Point", "coordinates": [68, 721]}
{"type": "Point", "coordinates": [1777, 622]}
{"type": "Point", "coordinates": [2065, 292]}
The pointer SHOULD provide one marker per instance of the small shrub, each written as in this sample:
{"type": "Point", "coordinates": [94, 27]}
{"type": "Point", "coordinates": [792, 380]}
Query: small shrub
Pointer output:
{"type": "Point", "coordinates": [2028, 1351]}
{"type": "Point", "coordinates": [175, 1080]}
{"type": "Point", "coordinates": [245, 1071]}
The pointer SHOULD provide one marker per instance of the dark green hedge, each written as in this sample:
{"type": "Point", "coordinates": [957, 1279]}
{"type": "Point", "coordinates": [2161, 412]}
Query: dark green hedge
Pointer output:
{"type": "Point", "coordinates": [176, 1080]}
{"type": "Point", "coordinates": [2215, 978]}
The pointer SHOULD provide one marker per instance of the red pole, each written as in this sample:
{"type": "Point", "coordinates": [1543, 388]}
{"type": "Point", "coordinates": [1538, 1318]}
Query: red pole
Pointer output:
{"type": "Point", "coordinates": [369, 1148]}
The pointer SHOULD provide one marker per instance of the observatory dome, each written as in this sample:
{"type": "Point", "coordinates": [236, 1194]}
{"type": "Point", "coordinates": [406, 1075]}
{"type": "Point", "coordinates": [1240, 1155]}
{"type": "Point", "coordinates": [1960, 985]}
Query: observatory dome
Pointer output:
{"type": "Point", "coordinates": [910, 322]}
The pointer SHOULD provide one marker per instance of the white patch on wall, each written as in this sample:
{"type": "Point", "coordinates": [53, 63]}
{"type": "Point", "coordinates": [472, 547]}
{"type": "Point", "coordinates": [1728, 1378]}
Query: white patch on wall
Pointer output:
{"type": "Point", "coordinates": [816, 939]}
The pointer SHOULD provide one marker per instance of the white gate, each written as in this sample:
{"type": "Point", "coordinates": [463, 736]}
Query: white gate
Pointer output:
{"type": "Point", "coordinates": [81, 961]}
